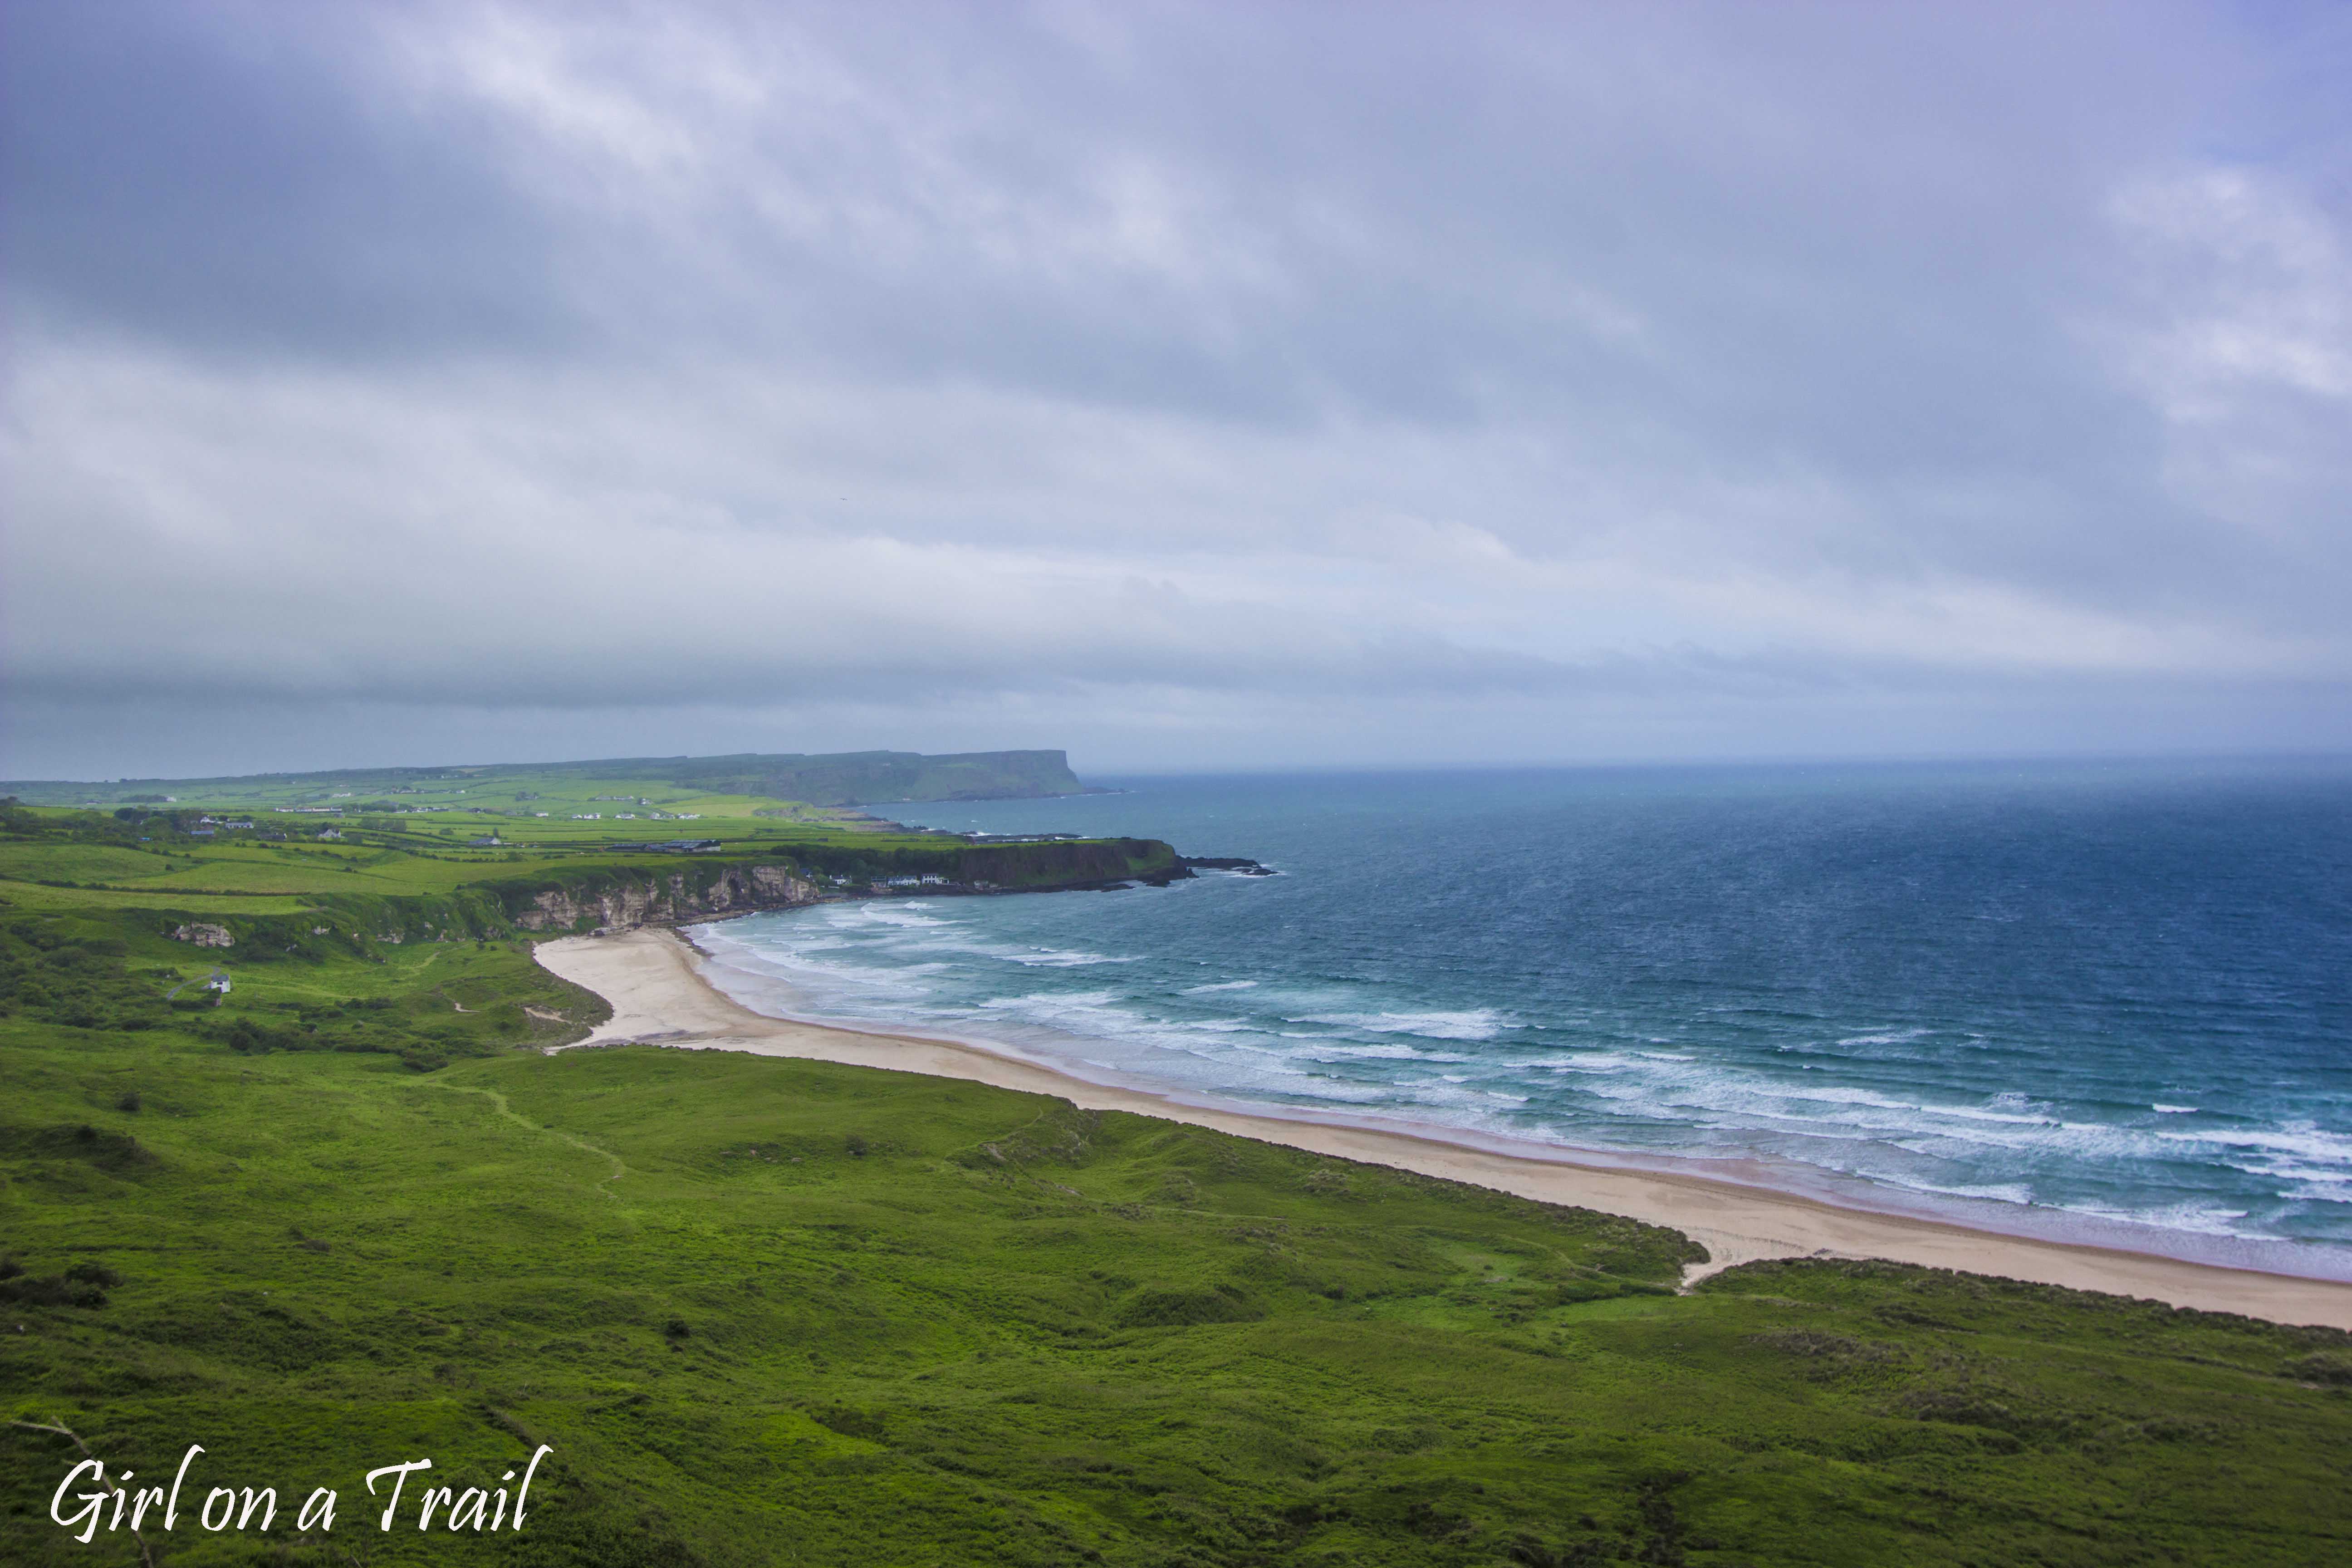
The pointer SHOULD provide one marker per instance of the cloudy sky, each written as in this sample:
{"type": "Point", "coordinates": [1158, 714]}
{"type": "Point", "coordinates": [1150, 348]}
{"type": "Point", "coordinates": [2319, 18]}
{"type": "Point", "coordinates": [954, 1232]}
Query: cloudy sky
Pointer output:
{"type": "Point", "coordinates": [1189, 384]}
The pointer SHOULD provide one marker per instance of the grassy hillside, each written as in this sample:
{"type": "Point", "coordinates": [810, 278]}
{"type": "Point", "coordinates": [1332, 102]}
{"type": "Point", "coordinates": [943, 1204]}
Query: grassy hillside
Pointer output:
{"type": "Point", "coordinates": [731, 785]}
{"type": "Point", "coordinates": [773, 1312]}
{"type": "Point", "coordinates": [247, 857]}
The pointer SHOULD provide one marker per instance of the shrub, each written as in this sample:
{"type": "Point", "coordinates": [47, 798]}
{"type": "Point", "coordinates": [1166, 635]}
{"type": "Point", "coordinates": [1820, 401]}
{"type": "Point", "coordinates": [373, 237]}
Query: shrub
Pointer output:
{"type": "Point", "coordinates": [2333, 1369]}
{"type": "Point", "coordinates": [1179, 1309]}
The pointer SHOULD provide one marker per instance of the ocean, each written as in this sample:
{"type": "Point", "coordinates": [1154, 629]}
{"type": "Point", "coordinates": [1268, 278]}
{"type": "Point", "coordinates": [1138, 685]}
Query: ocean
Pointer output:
{"type": "Point", "coordinates": [2109, 1003]}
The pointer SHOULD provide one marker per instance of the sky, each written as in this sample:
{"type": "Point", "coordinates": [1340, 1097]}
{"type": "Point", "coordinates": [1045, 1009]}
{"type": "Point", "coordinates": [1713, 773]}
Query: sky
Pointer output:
{"type": "Point", "coordinates": [1190, 386]}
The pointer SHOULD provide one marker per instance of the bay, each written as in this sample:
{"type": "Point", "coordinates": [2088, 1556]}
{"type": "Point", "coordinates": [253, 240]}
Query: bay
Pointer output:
{"type": "Point", "coordinates": [2102, 1002]}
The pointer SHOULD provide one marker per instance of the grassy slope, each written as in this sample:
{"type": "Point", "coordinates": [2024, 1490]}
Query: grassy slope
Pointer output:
{"type": "Point", "coordinates": [444, 838]}
{"type": "Point", "coordinates": [710, 785]}
{"type": "Point", "coordinates": [779, 1312]}
{"type": "Point", "coordinates": [66, 859]}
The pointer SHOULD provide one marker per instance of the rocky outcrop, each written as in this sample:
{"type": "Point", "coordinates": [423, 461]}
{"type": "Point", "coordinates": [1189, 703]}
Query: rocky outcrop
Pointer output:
{"type": "Point", "coordinates": [678, 896]}
{"type": "Point", "coordinates": [700, 888]}
{"type": "Point", "coordinates": [1082, 863]}
{"type": "Point", "coordinates": [203, 935]}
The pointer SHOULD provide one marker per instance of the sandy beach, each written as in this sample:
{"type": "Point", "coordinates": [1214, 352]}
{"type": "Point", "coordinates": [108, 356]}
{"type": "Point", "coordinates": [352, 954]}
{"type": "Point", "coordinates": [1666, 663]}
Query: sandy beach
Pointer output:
{"type": "Point", "coordinates": [654, 981]}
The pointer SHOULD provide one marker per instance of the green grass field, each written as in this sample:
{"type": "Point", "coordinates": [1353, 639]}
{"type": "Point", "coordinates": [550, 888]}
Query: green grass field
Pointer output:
{"type": "Point", "coordinates": [769, 1311]}
{"type": "Point", "coordinates": [640, 789]}
{"type": "Point", "coordinates": [279, 834]}
{"type": "Point", "coordinates": [56, 858]}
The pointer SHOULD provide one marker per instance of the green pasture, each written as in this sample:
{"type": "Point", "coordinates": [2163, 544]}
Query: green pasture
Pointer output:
{"type": "Point", "coordinates": [34, 896]}
{"type": "Point", "coordinates": [547, 803]}
{"type": "Point", "coordinates": [534, 816]}
{"type": "Point", "coordinates": [64, 857]}
{"type": "Point", "coordinates": [765, 784]}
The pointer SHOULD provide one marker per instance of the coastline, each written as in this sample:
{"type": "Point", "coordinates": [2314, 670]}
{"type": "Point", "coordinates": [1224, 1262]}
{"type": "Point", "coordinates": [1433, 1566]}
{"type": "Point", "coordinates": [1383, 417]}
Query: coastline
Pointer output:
{"type": "Point", "coordinates": [651, 978]}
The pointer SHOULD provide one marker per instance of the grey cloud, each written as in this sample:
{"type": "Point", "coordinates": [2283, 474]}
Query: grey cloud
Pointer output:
{"type": "Point", "coordinates": [209, 176]}
{"type": "Point", "coordinates": [927, 360]}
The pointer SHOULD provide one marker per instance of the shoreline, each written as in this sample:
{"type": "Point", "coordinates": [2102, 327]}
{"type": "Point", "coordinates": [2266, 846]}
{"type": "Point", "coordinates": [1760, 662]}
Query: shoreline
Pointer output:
{"type": "Point", "coordinates": [651, 978]}
{"type": "Point", "coordinates": [1754, 1174]}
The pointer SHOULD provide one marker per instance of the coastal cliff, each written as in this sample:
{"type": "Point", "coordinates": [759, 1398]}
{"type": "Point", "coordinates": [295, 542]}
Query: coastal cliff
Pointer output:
{"type": "Point", "coordinates": [616, 895]}
{"type": "Point", "coordinates": [1058, 864]}
{"type": "Point", "coordinates": [659, 899]}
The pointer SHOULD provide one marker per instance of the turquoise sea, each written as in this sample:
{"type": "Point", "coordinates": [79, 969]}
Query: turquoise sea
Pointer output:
{"type": "Point", "coordinates": [2102, 1003]}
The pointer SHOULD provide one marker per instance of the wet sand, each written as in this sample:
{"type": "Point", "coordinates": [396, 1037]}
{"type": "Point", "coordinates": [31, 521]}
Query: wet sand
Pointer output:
{"type": "Point", "coordinates": [659, 994]}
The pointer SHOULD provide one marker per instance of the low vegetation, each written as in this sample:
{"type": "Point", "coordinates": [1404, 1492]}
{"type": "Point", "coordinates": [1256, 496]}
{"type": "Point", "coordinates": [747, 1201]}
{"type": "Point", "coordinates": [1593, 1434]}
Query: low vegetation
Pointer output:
{"type": "Point", "coordinates": [342, 1216]}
